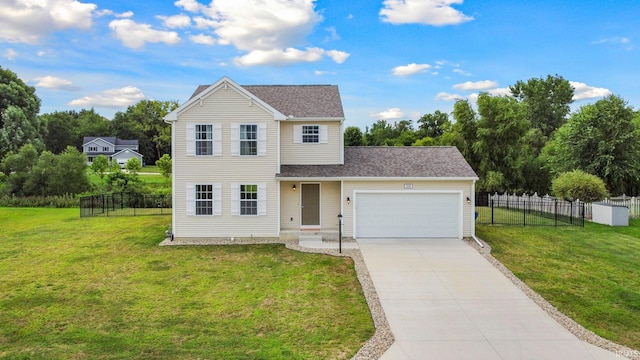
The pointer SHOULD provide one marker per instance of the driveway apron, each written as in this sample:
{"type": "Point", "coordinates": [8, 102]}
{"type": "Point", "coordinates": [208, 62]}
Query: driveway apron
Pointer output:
{"type": "Point", "coordinates": [443, 300]}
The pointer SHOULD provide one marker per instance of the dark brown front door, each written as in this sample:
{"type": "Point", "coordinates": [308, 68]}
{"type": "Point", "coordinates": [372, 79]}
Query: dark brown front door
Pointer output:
{"type": "Point", "coordinates": [310, 204]}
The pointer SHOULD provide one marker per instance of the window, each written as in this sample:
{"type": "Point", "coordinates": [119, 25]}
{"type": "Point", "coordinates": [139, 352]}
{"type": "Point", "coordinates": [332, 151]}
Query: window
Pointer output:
{"type": "Point", "coordinates": [204, 139]}
{"type": "Point", "coordinates": [93, 149]}
{"type": "Point", "coordinates": [204, 199]}
{"type": "Point", "coordinates": [310, 134]}
{"type": "Point", "coordinates": [105, 148]}
{"type": "Point", "coordinates": [248, 139]}
{"type": "Point", "coordinates": [248, 199]}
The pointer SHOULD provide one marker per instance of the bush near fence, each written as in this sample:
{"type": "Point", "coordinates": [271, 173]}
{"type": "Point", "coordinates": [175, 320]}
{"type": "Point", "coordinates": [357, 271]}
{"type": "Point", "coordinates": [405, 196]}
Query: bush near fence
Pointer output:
{"type": "Point", "coordinates": [125, 204]}
{"type": "Point", "coordinates": [528, 210]}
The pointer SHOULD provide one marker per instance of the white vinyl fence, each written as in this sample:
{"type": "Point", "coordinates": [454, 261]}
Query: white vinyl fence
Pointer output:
{"type": "Point", "coordinates": [632, 202]}
{"type": "Point", "coordinates": [521, 201]}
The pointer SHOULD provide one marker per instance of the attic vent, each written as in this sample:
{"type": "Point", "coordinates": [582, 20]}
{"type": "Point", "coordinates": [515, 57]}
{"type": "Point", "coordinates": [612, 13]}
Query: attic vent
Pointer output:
{"type": "Point", "coordinates": [226, 85]}
{"type": "Point", "coordinates": [250, 102]}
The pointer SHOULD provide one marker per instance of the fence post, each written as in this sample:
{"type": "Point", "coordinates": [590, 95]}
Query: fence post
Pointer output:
{"type": "Point", "coordinates": [555, 210]}
{"type": "Point", "coordinates": [492, 212]}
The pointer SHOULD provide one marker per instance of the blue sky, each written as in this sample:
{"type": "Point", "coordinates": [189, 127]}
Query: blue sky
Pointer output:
{"type": "Point", "coordinates": [392, 59]}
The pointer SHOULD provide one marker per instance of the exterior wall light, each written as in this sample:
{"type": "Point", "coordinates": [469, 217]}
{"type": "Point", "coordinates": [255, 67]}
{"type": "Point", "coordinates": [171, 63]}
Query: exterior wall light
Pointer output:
{"type": "Point", "coordinates": [468, 201]}
{"type": "Point", "coordinates": [348, 201]}
{"type": "Point", "coordinates": [294, 187]}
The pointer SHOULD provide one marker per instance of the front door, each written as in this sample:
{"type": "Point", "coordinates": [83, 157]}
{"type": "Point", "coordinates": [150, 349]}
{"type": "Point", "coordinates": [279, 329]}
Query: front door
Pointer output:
{"type": "Point", "coordinates": [310, 204]}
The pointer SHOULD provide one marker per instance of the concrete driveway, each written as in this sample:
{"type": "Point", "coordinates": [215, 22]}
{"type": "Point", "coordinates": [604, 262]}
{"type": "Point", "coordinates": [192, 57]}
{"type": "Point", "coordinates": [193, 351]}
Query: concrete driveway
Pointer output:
{"type": "Point", "coordinates": [443, 300]}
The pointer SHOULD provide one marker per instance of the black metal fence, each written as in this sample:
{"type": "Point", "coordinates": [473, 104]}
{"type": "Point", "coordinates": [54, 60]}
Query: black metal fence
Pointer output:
{"type": "Point", "coordinates": [528, 210]}
{"type": "Point", "coordinates": [124, 204]}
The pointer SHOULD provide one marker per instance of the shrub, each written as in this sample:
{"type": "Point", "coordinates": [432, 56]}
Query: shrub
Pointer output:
{"type": "Point", "coordinates": [579, 185]}
{"type": "Point", "coordinates": [65, 201]}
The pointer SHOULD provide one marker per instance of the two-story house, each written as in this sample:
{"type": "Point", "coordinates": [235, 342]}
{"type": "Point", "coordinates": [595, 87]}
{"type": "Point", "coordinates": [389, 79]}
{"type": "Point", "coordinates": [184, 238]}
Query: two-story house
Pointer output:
{"type": "Point", "coordinates": [113, 148]}
{"type": "Point", "coordinates": [269, 161]}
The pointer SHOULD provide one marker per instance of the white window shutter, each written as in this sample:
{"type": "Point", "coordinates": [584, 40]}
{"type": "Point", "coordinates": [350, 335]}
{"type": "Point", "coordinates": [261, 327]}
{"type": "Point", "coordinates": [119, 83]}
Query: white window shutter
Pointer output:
{"type": "Point", "coordinates": [191, 199]}
{"type": "Point", "coordinates": [191, 139]}
{"type": "Point", "coordinates": [235, 199]}
{"type": "Point", "coordinates": [324, 134]}
{"type": "Point", "coordinates": [235, 139]}
{"type": "Point", "coordinates": [217, 199]}
{"type": "Point", "coordinates": [297, 134]}
{"type": "Point", "coordinates": [262, 139]}
{"type": "Point", "coordinates": [262, 199]}
{"type": "Point", "coordinates": [217, 139]}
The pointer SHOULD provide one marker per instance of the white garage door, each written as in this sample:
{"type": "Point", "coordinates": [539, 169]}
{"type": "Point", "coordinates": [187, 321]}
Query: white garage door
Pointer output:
{"type": "Point", "coordinates": [408, 215]}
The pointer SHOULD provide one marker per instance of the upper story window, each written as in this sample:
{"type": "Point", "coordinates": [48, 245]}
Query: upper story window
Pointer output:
{"type": "Point", "coordinates": [105, 148]}
{"type": "Point", "coordinates": [92, 148]}
{"type": "Point", "coordinates": [204, 139]}
{"type": "Point", "coordinates": [310, 134]}
{"type": "Point", "coordinates": [248, 139]}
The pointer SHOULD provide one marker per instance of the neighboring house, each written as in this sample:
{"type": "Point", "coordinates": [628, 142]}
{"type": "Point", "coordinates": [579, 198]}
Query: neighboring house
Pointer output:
{"type": "Point", "coordinates": [269, 161]}
{"type": "Point", "coordinates": [113, 148]}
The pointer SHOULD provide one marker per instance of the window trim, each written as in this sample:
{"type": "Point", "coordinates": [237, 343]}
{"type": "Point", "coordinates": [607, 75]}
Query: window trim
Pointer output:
{"type": "Point", "coordinates": [192, 199]}
{"type": "Point", "coordinates": [248, 204]}
{"type": "Point", "coordinates": [313, 135]}
{"type": "Point", "coordinates": [208, 139]}
{"type": "Point", "coordinates": [191, 139]}
{"type": "Point", "coordinates": [261, 199]}
{"type": "Point", "coordinates": [252, 142]}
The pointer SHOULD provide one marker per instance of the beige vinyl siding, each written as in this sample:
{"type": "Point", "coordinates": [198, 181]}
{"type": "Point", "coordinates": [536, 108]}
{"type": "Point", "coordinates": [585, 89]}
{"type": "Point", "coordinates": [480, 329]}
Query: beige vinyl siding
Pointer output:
{"type": "Point", "coordinates": [310, 154]}
{"type": "Point", "coordinates": [290, 205]}
{"type": "Point", "coordinates": [399, 185]}
{"type": "Point", "coordinates": [225, 107]}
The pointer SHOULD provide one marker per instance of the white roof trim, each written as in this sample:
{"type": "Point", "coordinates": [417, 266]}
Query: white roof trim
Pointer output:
{"type": "Point", "coordinates": [356, 178]}
{"type": "Point", "coordinates": [224, 82]}
{"type": "Point", "coordinates": [125, 150]}
{"type": "Point", "coordinates": [96, 139]}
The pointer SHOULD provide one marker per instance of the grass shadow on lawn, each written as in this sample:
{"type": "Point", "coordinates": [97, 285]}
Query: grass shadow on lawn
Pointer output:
{"type": "Point", "coordinates": [591, 274]}
{"type": "Point", "coordinates": [102, 288]}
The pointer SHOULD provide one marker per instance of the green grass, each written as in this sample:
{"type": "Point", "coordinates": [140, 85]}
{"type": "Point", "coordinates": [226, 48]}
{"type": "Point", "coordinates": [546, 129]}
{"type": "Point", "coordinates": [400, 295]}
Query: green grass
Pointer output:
{"type": "Point", "coordinates": [101, 288]}
{"type": "Point", "coordinates": [591, 274]}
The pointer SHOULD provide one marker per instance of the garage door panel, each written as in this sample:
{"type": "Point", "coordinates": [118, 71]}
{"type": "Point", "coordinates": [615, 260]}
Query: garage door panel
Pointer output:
{"type": "Point", "coordinates": [409, 215]}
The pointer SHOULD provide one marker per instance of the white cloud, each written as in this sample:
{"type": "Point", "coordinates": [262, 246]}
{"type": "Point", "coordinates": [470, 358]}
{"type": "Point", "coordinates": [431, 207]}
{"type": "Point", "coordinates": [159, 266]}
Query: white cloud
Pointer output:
{"type": "Point", "coordinates": [52, 82]}
{"type": "Point", "coordinates": [333, 34]}
{"type": "Point", "coordinates": [583, 91]}
{"type": "Point", "coordinates": [134, 35]}
{"type": "Point", "coordinates": [268, 32]}
{"type": "Point", "coordinates": [500, 91]}
{"type": "Point", "coordinates": [10, 54]}
{"type": "Point", "coordinates": [29, 21]}
{"type": "Point", "coordinates": [461, 72]}
{"type": "Point", "coordinates": [444, 96]}
{"type": "Point", "coordinates": [175, 21]}
{"type": "Point", "coordinates": [202, 39]}
{"type": "Point", "coordinates": [391, 113]}
{"type": "Point", "coordinates": [411, 69]}
{"type": "Point", "coordinates": [320, 72]}
{"type": "Point", "coordinates": [279, 57]}
{"type": "Point", "coordinates": [114, 98]}
{"type": "Point", "coordinates": [189, 5]}
{"type": "Point", "coordinates": [477, 85]}
{"type": "Point", "coordinates": [337, 56]}
{"type": "Point", "coordinates": [430, 12]}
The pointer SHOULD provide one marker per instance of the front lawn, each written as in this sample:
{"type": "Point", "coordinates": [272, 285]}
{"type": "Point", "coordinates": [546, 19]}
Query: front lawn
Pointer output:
{"type": "Point", "coordinates": [591, 274]}
{"type": "Point", "coordinates": [101, 288]}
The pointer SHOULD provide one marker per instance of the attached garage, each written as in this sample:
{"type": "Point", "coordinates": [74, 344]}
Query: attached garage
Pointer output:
{"type": "Point", "coordinates": [408, 214]}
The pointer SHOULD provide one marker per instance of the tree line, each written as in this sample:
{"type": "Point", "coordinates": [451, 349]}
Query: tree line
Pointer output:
{"type": "Point", "coordinates": [523, 141]}
{"type": "Point", "coordinates": [41, 154]}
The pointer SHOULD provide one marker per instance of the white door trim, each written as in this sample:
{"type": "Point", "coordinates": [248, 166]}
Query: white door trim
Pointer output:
{"type": "Point", "coordinates": [319, 205]}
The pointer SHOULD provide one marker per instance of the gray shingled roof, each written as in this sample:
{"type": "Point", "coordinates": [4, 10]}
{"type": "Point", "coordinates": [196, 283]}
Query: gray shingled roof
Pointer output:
{"type": "Point", "coordinates": [110, 139]}
{"type": "Point", "coordinates": [382, 161]}
{"type": "Point", "coordinates": [305, 101]}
